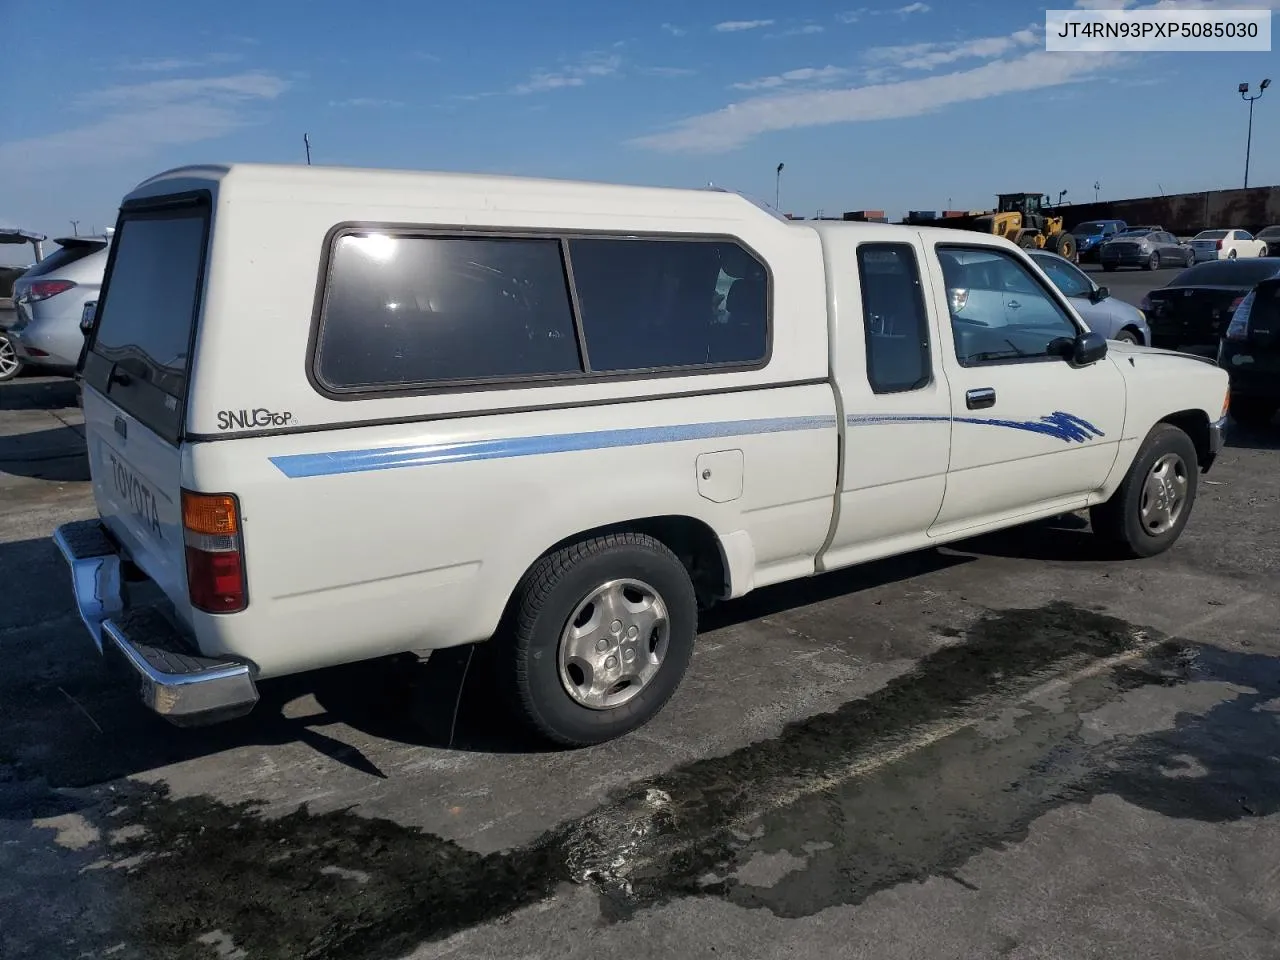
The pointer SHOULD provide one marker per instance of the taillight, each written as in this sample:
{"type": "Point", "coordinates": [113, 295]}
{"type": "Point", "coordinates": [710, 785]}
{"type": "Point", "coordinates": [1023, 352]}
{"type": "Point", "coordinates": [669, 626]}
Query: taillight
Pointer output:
{"type": "Point", "coordinates": [1219, 244]}
{"type": "Point", "coordinates": [215, 552]}
{"type": "Point", "coordinates": [44, 289]}
{"type": "Point", "coordinates": [1238, 328]}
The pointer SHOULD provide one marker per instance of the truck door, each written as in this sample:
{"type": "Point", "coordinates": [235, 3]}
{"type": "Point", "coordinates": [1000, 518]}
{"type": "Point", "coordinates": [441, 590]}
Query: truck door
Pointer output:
{"type": "Point", "coordinates": [1030, 431]}
{"type": "Point", "coordinates": [895, 399]}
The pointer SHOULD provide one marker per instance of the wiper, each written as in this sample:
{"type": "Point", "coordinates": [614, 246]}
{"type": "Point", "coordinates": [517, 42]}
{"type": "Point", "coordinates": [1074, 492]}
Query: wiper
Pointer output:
{"type": "Point", "coordinates": [997, 355]}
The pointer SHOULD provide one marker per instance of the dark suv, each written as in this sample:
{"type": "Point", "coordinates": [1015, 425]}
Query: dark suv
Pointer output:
{"type": "Point", "coordinates": [1250, 353]}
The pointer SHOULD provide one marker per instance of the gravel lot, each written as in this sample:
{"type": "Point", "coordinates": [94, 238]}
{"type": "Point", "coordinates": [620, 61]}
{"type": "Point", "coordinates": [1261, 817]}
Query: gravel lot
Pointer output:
{"type": "Point", "coordinates": [1014, 747]}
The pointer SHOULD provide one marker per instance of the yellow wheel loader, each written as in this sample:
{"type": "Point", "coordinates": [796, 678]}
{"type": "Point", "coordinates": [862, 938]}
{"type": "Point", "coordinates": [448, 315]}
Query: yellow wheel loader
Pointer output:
{"type": "Point", "coordinates": [1021, 217]}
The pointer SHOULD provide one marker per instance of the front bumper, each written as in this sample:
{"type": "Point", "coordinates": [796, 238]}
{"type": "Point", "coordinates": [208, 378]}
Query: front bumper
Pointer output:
{"type": "Point", "coordinates": [1217, 440]}
{"type": "Point", "coordinates": [179, 684]}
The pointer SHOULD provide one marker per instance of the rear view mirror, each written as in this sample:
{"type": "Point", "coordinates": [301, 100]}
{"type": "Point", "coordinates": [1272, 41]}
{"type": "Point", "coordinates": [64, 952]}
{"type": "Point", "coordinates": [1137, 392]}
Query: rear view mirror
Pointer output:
{"type": "Point", "coordinates": [1088, 348]}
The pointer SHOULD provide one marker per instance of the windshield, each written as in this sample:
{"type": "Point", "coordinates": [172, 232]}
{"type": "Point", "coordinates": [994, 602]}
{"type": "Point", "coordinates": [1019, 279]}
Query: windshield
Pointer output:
{"type": "Point", "coordinates": [1227, 273]}
{"type": "Point", "coordinates": [1088, 229]}
{"type": "Point", "coordinates": [1210, 235]}
{"type": "Point", "coordinates": [1270, 233]}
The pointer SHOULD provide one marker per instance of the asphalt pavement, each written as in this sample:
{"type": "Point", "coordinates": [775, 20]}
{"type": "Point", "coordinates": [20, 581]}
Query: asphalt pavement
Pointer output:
{"type": "Point", "coordinates": [1131, 284]}
{"type": "Point", "coordinates": [1012, 747]}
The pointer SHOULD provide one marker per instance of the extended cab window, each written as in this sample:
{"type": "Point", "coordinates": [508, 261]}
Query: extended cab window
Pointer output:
{"type": "Point", "coordinates": [897, 328]}
{"type": "Point", "coordinates": [1000, 312]}
{"type": "Point", "coordinates": [402, 310]}
{"type": "Point", "coordinates": [139, 355]}
{"type": "Point", "coordinates": [658, 303]}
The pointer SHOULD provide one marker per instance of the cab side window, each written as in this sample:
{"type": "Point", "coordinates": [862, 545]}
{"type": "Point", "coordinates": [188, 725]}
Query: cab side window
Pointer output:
{"type": "Point", "coordinates": [894, 317]}
{"type": "Point", "coordinates": [1065, 277]}
{"type": "Point", "coordinates": [1000, 311]}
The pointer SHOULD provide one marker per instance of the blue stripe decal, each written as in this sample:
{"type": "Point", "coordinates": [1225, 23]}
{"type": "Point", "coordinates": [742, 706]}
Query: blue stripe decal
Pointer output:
{"type": "Point", "coordinates": [1063, 426]}
{"type": "Point", "coordinates": [301, 465]}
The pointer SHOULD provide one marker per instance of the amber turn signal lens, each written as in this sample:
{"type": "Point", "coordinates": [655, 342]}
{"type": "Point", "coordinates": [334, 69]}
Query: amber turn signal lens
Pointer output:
{"type": "Point", "coordinates": [213, 514]}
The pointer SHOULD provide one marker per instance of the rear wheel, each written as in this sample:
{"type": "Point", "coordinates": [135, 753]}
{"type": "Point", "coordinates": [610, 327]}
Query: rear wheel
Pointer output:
{"type": "Point", "coordinates": [602, 632]}
{"type": "Point", "coordinates": [1252, 411]}
{"type": "Point", "coordinates": [10, 365]}
{"type": "Point", "coordinates": [1231, 255]}
{"type": "Point", "coordinates": [1147, 514]}
{"type": "Point", "coordinates": [1265, 251]}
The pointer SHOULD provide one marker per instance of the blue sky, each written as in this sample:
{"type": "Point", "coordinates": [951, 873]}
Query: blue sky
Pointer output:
{"type": "Point", "coordinates": [885, 104]}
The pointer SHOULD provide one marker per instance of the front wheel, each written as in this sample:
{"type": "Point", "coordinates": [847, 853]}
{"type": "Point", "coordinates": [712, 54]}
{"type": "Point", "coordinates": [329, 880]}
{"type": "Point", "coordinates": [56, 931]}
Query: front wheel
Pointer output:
{"type": "Point", "coordinates": [602, 632]}
{"type": "Point", "coordinates": [10, 365]}
{"type": "Point", "coordinates": [1147, 514]}
{"type": "Point", "coordinates": [1126, 336]}
{"type": "Point", "coordinates": [1153, 262]}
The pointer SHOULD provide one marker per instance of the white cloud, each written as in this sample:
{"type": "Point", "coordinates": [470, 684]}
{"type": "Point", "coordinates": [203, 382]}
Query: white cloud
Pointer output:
{"type": "Point", "coordinates": [171, 64]}
{"type": "Point", "coordinates": [806, 30]}
{"type": "Point", "coordinates": [365, 102]}
{"type": "Point", "coordinates": [911, 8]}
{"type": "Point", "coordinates": [135, 120]}
{"type": "Point", "coordinates": [816, 75]}
{"type": "Point", "coordinates": [852, 16]}
{"type": "Point", "coordinates": [738, 123]}
{"type": "Point", "coordinates": [425, 57]}
{"type": "Point", "coordinates": [674, 30]}
{"type": "Point", "coordinates": [927, 56]}
{"type": "Point", "coordinates": [668, 71]}
{"type": "Point", "coordinates": [572, 75]}
{"type": "Point", "coordinates": [737, 26]}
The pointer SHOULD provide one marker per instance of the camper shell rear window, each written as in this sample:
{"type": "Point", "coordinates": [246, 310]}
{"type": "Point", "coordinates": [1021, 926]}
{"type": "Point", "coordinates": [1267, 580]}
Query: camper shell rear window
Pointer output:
{"type": "Point", "coordinates": [138, 353]}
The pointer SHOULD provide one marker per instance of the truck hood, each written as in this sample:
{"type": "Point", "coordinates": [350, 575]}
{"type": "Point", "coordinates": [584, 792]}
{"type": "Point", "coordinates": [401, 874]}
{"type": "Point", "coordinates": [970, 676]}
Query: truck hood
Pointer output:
{"type": "Point", "coordinates": [1125, 351]}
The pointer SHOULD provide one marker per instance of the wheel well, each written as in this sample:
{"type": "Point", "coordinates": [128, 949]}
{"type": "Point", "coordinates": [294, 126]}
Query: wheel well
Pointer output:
{"type": "Point", "coordinates": [1137, 333]}
{"type": "Point", "coordinates": [1195, 424]}
{"type": "Point", "coordinates": [695, 543]}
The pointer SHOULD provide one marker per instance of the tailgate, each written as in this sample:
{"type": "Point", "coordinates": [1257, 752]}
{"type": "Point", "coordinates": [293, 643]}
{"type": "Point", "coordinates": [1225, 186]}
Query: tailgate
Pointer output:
{"type": "Point", "coordinates": [1196, 312]}
{"type": "Point", "coordinates": [135, 370]}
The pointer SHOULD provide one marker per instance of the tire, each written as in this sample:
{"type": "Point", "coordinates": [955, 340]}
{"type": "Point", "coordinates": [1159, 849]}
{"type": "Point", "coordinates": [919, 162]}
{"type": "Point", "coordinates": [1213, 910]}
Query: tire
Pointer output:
{"type": "Point", "coordinates": [1252, 411]}
{"type": "Point", "coordinates": [1153, 261]}
{"type": "Point", "coordinates": [1064, 245]}
{"type": "Point", "coordinates": [1121, 521]}
{"type": "Point", "coordinates": [1126, 336]}
{"type": "Point", "coordinates": [617, 568]}
{"type": "Point", "coordinates": [10, 365]}
{"type": "Point", "coordinates": [1191, 259]}
{"type": "Point", "coordinates": [1265, 251]}
{"type": "Point", "coordinates": [1231, 254]}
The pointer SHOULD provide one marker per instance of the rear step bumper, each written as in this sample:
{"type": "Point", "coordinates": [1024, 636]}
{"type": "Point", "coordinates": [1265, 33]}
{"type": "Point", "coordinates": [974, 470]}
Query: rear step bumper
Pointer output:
{"type": "Point", "coordinates": [183, 687]}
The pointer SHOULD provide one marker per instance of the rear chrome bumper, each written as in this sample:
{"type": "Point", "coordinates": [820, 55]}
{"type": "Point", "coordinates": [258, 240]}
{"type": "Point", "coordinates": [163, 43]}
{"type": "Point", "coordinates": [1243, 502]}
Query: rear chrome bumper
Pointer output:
{"type": "Point", "coordinates": [180, 685]}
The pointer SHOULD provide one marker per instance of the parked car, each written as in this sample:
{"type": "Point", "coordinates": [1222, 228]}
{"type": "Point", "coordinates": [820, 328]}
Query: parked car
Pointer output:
{"type": "Point", "coordinates": [1193, 309]}
{"type": "Point", "coordinates": [49, 301]}
{"type": "Point", "coordinates": [1105, 314]}
{"type": "Point", "coordinates": [1271, 237]}
{"type": "Point", "coordinates": [10, 365]}
{"type": "Point", "coordinates": [602, 448]}
{"type": "Point", "coordinates": [1148, 249]}
{"type": "Point", "coordinates": [1227, 245]}
{"type": "Point", "coordinates": [1250, 353]}
{"type": "Point", "coordinates": [1091, 235]}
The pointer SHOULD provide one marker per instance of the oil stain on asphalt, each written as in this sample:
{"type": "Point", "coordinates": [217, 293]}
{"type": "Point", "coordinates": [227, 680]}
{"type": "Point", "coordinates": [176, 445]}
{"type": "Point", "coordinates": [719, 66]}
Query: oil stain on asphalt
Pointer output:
{"type": "Point", "coordinates": [980, 743]}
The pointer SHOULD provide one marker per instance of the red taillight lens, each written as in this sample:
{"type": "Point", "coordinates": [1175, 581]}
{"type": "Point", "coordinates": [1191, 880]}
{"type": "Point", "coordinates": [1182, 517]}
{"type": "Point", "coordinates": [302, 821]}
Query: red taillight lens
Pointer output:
{"type": "Point", "coordinates": [44, 289]}
{"type": "Point", "coordinates": [1219, 244]}
{"type": "Point", "coordinates": [215, 554]}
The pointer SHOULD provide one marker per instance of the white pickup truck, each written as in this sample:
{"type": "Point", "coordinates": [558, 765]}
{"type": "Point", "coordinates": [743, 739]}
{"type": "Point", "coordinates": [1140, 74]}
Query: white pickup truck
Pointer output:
{"type": "Point", "coordinates": [561, 417]}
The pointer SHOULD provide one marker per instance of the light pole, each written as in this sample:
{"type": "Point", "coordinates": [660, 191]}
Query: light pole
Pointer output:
{"type": "Point", "coordinates": [777, 188]}
{"type": "Point", "coordinates": [1248, 147]}
{"type": "Point", "coordinates": [306, 143]}
{"type": "Point", "coordinates": [1097, 185]}
{"type": "Point", "coordinates": [75, 228]}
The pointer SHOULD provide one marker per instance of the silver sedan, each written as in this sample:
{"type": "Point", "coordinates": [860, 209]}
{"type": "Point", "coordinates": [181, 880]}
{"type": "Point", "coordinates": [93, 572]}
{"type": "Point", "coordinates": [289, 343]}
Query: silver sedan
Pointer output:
{"type": "Point", "coordinates": [1114, 319]}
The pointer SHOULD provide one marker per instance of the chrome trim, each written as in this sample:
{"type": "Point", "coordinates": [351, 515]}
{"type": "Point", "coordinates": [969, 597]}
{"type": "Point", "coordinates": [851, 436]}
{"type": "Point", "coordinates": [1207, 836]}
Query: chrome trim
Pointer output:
{"type": "Point", "coordinates": [96, 583]}
{"type": "Point", "coordinates": [1218, 435]}
{"type": "Point", "coordinates": [227, 690]}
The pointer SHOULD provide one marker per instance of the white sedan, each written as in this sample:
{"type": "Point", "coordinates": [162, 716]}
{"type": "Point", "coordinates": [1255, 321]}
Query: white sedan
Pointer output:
{"type": "Point", "coordinates": [1226, 245]}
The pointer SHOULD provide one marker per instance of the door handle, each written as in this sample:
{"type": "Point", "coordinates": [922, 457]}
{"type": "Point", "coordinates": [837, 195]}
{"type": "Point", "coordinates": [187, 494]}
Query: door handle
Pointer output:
{"type": "Point", "coordinates": [1014, 305]}
{"type": "Point", "coordinates": [980, 398]}
{"type": "Point", "coordinates": [121, 428]}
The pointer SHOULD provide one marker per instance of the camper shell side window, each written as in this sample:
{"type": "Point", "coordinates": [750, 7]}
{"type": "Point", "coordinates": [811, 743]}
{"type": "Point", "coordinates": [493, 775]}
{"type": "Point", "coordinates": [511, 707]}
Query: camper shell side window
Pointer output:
{"type": "Point", "coordinates": [405, 310]}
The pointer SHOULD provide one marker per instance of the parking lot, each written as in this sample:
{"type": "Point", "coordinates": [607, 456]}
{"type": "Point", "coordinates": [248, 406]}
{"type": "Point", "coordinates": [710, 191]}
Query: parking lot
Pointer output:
{"type": "Point", "coordinates": [1011, 747]}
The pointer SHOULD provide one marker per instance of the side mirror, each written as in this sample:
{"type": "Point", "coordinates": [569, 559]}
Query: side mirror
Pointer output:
{"type": "Point", "coordinates": [1088, 348]}
{"type": "Point", "coordinates": [1099, 294]}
